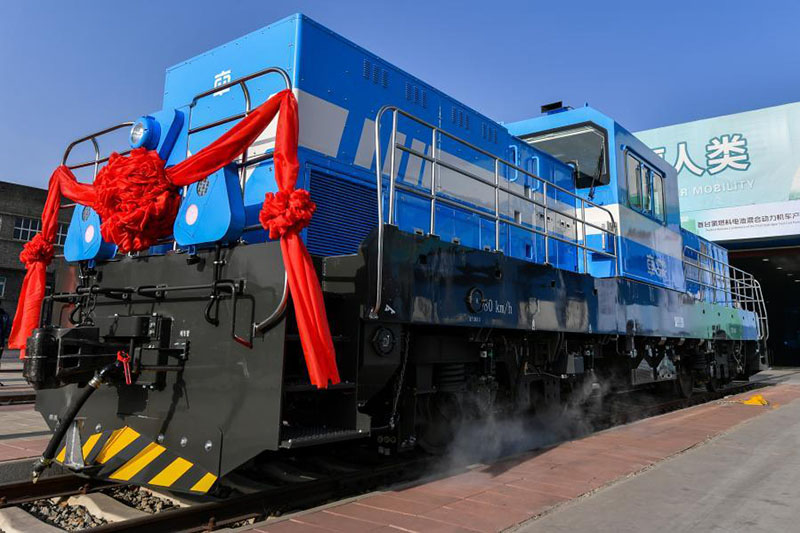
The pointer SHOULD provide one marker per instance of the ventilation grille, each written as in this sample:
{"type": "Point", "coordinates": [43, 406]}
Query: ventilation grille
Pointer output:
{"type": "Point", "coordinates": [416, 95]}
{"type": "Point", "coordinates": [459, 117]}
{"type": "Point", "coordinates": [488, 132]}
{"type": "Point", "coordinates": [346, 213]}
{"type": "Point", "coordinates": [202, 187]}
{"type": "Point", "coordinates": [375, 73]}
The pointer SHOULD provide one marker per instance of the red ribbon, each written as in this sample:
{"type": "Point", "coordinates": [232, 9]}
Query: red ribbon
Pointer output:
{"type": "Point", "coordinates": [137, 199]}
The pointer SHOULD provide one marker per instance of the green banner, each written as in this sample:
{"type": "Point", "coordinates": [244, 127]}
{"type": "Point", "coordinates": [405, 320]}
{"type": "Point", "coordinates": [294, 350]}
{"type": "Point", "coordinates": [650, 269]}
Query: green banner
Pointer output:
{"type": "Point", "coordinates": [738, 175]}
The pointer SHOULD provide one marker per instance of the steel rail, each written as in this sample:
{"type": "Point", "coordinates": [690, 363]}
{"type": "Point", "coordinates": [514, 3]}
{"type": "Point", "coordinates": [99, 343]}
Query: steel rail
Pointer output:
{"type": "Point", "coordinates": [50, 487]}
{"type": "Point", "coordinates": [208, 516]}
{"type": "Point", "coordinates": [11, 395]}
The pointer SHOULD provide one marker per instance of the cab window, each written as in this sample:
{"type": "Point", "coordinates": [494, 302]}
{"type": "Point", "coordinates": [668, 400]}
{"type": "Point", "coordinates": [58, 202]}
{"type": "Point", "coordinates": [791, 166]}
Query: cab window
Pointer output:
{"type": "Point", "coordinates": [645, 188]}
{"type": "Point", "coordinates": [634, 170]}
{"type": "Point", "coordinates": [647, 203]}
{"type": "Point", "coordinates": [582, 146]}
{"type": "Point", "coordinates": [658, 196]}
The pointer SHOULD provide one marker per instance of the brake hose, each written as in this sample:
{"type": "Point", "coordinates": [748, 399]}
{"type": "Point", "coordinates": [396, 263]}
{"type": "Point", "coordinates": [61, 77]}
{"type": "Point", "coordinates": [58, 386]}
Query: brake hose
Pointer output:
{"type": "Point", "coordinates": [49, 453]}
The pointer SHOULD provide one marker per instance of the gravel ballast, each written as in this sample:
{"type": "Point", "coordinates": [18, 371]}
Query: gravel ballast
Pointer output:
{"type": "Point", "coordinates": [67, 517]}
{"type": "Point", "coordinates": [139, 499]}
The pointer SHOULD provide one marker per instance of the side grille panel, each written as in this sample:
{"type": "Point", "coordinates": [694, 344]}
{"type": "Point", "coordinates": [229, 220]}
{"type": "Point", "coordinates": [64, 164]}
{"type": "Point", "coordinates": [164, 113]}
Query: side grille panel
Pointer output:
{"type": "Point", "coordinates": [346, 213]}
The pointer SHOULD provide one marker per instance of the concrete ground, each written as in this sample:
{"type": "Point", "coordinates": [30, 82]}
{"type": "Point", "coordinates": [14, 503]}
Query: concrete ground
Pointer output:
{"type": "Point", "coordinates": [11, 369]}
{"type": "Point", "coordinates": [747, 480]}
{"type": "Point", "coordinates": [23, 432]}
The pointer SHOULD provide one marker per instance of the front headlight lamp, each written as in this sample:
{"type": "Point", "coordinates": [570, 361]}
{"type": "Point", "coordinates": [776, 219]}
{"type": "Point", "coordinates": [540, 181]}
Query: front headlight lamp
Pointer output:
{"type": "Point", "coordinates": [145, 133]}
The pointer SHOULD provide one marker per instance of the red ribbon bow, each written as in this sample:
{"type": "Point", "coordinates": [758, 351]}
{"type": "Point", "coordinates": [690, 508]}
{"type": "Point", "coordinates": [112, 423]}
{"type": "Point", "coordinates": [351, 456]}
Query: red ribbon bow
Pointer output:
{"type": "Point", "coordinates": [37, 250]}
{"type": "Point", "coordinates": [286, 212]}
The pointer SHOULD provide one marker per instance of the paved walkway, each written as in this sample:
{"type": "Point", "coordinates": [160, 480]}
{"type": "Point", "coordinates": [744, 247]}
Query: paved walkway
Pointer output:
{"type": "Point", "coordinates": [747, 480]}
{"type": "Point", "coordinates": [512, 493]}
{"type": "Point", "coordinates": [23, 432]}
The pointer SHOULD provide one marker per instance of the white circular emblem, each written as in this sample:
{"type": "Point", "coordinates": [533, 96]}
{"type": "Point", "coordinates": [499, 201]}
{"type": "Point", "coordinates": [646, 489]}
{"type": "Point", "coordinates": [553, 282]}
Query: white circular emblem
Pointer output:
{"type": "Point", "coordinates": [88, 235]}
{"type": "Point", "coordinates": [191, 214]}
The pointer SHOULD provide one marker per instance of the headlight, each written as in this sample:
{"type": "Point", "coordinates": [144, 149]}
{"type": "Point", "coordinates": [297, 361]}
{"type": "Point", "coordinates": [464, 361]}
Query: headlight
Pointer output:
{"type": "Point", "coordinates": [137, 134]}
{"type": "Point", "coordinates": [145, 133]}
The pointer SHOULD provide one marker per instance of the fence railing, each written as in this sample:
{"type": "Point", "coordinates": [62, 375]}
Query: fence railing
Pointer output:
{"type": "Point", "coordinates": [736, 287]}
{"type": "Point", "coordinates": [606, 229]}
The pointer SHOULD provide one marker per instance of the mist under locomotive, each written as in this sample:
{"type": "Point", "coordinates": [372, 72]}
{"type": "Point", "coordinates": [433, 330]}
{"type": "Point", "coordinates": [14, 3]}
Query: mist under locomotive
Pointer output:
{"type": "Point", "coordinates": [466, 266]}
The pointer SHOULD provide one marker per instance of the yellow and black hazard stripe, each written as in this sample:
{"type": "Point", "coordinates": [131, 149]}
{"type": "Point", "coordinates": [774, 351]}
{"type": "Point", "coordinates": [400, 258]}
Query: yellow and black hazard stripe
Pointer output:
{"type": "Point", "coordinates": [125, 455]}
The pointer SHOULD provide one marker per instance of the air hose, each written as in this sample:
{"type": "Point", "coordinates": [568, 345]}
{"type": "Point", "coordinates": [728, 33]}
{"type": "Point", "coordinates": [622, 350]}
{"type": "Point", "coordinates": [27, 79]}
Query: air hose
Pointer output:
{"type": "Point", "coordinates": [97, 380]}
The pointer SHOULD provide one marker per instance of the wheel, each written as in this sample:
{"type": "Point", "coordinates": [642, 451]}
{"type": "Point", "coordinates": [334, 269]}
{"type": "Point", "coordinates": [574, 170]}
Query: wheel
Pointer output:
{"type": "Point", "coordinates": [440, 417]}
{"type": "Point", "coordinates": [685, 383]}
{"type": "Point", "coordinates": [714, 383]}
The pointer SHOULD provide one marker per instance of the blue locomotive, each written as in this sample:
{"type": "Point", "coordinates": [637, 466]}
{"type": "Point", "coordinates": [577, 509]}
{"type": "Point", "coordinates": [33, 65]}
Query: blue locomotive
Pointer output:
{"type": "Point", "coordinates": [467, 267]}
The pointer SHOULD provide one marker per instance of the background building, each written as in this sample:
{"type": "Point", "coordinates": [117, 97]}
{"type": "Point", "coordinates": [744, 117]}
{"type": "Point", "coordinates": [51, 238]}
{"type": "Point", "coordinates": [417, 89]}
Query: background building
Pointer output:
{"type": "Point", "coordinates": [20, 219]}
{"type": "Point", "coordinates": [739, 183]}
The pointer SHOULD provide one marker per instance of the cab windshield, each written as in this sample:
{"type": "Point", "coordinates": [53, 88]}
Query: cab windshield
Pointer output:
{"type": "Point", "coordinates": [583, 147]}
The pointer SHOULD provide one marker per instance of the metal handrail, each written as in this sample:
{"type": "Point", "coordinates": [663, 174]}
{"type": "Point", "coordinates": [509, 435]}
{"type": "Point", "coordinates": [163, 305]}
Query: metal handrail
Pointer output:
{"type": "Point", "coordinates": [257, 327]}
{"type": "Point", "coordinates": [93, 138]}
{"type": "Point", "coordinates": [242, 84]}
{"type": "Point", "coordinates": [435, 161]}
{"type": "Point", "coordinates": [740, 288]}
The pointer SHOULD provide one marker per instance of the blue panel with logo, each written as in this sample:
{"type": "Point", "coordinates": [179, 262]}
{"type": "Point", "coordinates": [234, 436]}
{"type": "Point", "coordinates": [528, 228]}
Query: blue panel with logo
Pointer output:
{"type": "Point", "coordinates": [84, 241]}
{"type": "Point", "coordinates": [212, 210]}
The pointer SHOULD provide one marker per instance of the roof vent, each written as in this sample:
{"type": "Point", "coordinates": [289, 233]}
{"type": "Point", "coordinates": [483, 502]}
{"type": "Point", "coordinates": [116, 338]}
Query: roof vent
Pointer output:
{"type": "Point", "coordinates": [554, 107]}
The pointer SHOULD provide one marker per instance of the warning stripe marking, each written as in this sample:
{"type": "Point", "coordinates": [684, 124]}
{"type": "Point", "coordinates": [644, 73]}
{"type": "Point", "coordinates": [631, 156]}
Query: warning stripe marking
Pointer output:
{"type": "Point", "coordinates": [118, 441]}
{"type": "Point", "coordinates": [89, 444]}
{"type": "Point", "coordinates": [171, 473]}
{"type": "Point", "coordinates": [108, 445]}
{"type": "Point", "coordinates": [139, 461]}
{"type": "Point", "coordinates": [205, 483]}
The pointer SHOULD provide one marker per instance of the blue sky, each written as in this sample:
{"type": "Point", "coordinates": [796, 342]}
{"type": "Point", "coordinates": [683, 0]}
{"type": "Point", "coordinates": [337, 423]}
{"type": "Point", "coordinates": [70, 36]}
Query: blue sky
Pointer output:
{"type": "Point", "coordinates": [69, 68]}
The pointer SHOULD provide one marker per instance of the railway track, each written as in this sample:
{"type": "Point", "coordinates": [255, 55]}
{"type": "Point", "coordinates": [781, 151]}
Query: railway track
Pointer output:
{"type": "Point", "coordinates": [49, 487]}
{"type": "Point", "coordinates": [16, 395]}
{"type": "Point", "coordinates": [317, 483]}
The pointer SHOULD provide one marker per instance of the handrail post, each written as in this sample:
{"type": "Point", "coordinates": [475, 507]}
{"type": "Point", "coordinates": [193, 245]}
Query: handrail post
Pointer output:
{"type": "Point", "coordinates": [434, 157]}
{"type": "Point", "coordinates": [496, 205]}
{"type": "Point", "coordinates": [585, 244]}
{"type": "Point", "coordinates": [373, 313]}
{"type": "Point", "coordinates": [546, 226]}
{"type": "Point", "coordinates": [393, 150]}
{"type": "Point", "coordinates": [96, 157]}
{"type": "Point", "coordinates": [247, 109]}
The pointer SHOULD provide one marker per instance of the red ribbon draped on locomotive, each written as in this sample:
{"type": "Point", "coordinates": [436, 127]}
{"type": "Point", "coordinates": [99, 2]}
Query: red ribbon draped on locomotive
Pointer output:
{"type": "Point", "coordinates": [137, 199]}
